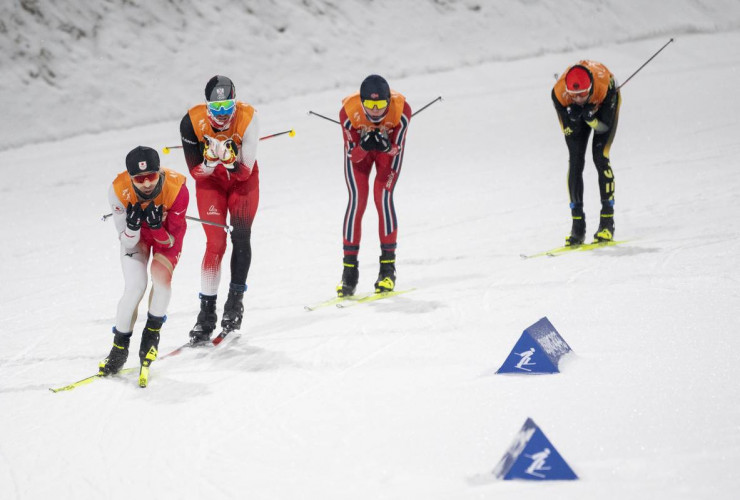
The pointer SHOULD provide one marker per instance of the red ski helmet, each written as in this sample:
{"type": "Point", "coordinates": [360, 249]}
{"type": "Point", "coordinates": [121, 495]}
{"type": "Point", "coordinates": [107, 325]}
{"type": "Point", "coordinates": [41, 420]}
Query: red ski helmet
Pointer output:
{"type": "Point", "coordinates": [578, 80]}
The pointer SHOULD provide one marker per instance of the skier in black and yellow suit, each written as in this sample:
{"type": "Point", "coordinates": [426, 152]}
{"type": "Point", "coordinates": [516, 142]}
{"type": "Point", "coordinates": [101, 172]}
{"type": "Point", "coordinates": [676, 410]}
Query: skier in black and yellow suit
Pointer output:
{"type": "Point", "coordinates": [586, 97]}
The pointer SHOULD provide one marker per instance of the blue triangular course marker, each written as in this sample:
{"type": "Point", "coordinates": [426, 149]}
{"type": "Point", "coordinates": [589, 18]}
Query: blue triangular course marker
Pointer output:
{"type": "Point", "coordinates": [532, 456]}
{"type": "Point", "coordinates": [537, 351]}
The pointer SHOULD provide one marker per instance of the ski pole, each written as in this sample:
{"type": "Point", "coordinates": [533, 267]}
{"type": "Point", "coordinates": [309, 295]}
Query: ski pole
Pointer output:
{"type": "Point", "coordinates": [425, 107]}
{"type": "Point", "coordinates": [644, 64]}
{"type": "Point", "coordinates": [228, 229]}
{"type": "Point", "coordinates": [291, 133]}
{"type": "Point", "coordinates": [324, 117]}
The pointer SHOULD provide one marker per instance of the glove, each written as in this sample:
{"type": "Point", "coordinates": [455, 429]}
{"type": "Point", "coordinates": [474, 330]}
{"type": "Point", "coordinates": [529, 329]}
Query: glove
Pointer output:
{"type": "Point", "coordinates": [220, 152]}
{"type": "Point", "coordinates": [367, 140]}
{"type": "Point", "coordinates": [133, 216]}
{"type": "Point", "coordinates": [153, 215]}
{"type": "Point", "coordinates": [574, 112]}
{"type": "Point", "coordinates": [577, 113]}
{"type": "Point", "coordinates": [375, 140]}
{"type": "Point", "coordinates": [228, 153]}
{"type": "Point", "coordinates": [589, 112]}
{"type": "Point", "coordinates": [384, 144]}
{"type": "Point", "coordinates": [210, 151]}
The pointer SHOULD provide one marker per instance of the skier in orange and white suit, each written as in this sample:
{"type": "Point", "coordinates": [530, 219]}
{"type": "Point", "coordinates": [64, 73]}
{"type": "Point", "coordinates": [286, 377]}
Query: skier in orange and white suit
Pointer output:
{"type": "Point", "coordinates": [149, 205]}
{"type": "Point", "coordinates": [374, 121]}
{"type": "Point", "coordinates": [219, 139]}
{"type": "Point", "coordinates": [586, 97]}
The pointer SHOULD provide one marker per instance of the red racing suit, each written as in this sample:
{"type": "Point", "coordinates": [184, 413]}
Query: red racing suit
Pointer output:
{"type": "Point", "coordinates": [358, 163]}
{"type": "Point", "coordinates": [235, 191]}
{"type": "Point", "coordinates": [163, 244]}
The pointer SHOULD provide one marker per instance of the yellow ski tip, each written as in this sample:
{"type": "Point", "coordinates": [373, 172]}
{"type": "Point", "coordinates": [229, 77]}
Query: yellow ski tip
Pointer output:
{"type": "Point", "coordinates": [144, 376]}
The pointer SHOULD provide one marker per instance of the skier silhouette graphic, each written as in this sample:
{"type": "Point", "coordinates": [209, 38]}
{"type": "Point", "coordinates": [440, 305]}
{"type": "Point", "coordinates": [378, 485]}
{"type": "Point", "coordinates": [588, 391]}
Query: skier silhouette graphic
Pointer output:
{"type": "Point", "coordinates": [538, 463]}
{"type": "Point", "coordinates": [526, 358]}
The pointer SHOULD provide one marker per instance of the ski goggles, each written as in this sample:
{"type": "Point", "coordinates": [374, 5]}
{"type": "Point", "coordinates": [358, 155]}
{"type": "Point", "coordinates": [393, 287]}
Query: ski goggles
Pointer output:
{"type": "Point", "coordinates": [149, 176]}
{"type": "Point", "coordinates": [375, 104]}
{"type": "Point", "coordinates": [578, 93]}
{"type": "Point", "coordinates": [220, 108]}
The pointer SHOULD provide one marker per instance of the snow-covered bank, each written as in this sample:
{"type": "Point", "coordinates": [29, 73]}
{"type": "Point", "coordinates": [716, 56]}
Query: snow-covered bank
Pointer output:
{"type": "Point", "coordinates": [72, 66]}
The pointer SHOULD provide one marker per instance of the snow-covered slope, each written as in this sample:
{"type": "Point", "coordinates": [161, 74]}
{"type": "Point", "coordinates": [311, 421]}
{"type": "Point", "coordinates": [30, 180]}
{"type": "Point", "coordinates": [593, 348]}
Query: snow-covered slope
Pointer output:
{"type": "Point", "coordinates": [59, 55]}
{"type": "Point", "coordinates": [397, 399]}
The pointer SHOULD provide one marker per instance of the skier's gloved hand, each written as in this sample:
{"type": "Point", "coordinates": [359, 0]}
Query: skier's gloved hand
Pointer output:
{"type": "Point", "coordinates": [589, 112]}
{"type": "Point", "coordinates": [383, 143]}
{"type": "Point", "coordinates": [134, 215]}
{"type": "Point", "coordinates": [375, 140]}
{"type": "Point", "coordinates": [367, 140]}
{"type": "Point", "coordinates": [575, 112]}
{"type": "Point", "coordinates": [210, 151]}
{"type": "Point", "coordinates": [229, 153]}
{"type": "Point", "coordinates": [153, 215]}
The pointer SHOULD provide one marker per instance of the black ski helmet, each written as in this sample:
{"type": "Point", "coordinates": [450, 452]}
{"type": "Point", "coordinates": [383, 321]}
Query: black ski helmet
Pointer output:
{"type": "Point", "coordinates": [375, 87]}
{"type": "Point", "coordinates": [142, 160]}
{"type": "Point", "coordinates": [220, 88]}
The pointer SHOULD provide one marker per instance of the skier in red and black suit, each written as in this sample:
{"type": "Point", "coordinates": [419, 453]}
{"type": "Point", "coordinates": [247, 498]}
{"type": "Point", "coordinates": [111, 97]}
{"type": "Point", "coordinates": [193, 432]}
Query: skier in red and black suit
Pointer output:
{"type": "Point", "coordinates": [586, 97]}
{"type": "Point", "coordinates": [219, 139]}
{"type": "Point", "coordinates": [375, 122]}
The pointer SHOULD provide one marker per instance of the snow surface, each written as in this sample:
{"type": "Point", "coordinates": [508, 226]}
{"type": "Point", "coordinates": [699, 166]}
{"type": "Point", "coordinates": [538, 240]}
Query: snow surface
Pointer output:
{"type": "Point", "coordinates": [395, 399]}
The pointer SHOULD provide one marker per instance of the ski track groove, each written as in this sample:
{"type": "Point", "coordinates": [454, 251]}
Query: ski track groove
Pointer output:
{"type": "Point", "coordinates": [268, 413]}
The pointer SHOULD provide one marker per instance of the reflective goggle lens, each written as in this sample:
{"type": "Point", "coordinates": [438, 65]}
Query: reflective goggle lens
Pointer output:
{"type": "Point", "coordinates": [220, 108]}
{"type": "Point", "coordinates": [142, 178]}
{"type": "Point", "coordinates": [371, 104]}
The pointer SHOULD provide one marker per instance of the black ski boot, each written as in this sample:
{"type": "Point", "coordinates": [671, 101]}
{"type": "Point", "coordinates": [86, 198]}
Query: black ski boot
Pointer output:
{"type": "Point", "coordinates": [577, 232]}
{"type": "Point", "coordinates": [387, 275]}
{"type": "Point", "coordinates": [207, 319]}
{"type": "Point", "coordinates": [118, 354]}
{"type": "Point", "coordinates": [350, 276]}
{"type": "Point", "coordinates": [148, 350]}
{"type": "Point", "coordinates": [605, 233]}
{"type": "Point", "coordinates": [150, 339]}
{"type": "Point", "coordinates": [233, 310]}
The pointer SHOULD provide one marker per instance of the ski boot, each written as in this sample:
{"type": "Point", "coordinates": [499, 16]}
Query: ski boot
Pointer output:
{"type": "Point", "coordinates": [605, 233]}
{"type": "Point", "coordinates": [118, 354]}
{"type": "Point", "coordinates": [387, 275]}
{"type": "Point", "coordinates": [149, 346]}
{"type": "Point", "coordinates": [233, 309]}
{"type": "Point", "coordinates": [206, 322]}
{"type": "Point", "coordinates": [577, 232]}
{"type": "Point", "coordinates": [350, 276]}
